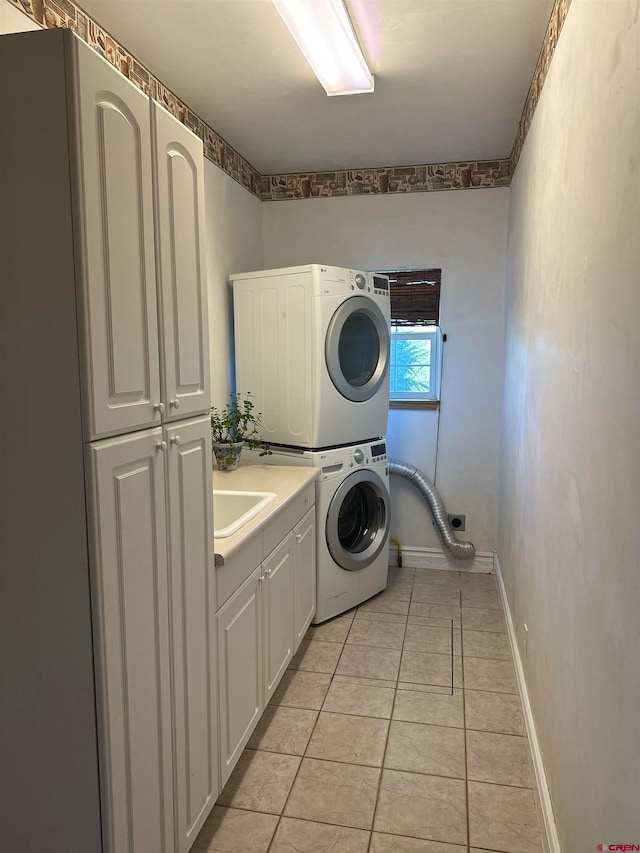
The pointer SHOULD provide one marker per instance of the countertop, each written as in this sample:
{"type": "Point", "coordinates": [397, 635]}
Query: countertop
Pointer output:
{"type": "Point", "coordinates": [286, 481]}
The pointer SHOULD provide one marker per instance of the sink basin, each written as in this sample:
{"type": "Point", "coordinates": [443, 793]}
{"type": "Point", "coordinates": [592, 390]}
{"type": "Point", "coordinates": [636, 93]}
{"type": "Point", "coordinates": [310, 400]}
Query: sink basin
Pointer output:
{"type": "Point", "coordinates": [231, 510]}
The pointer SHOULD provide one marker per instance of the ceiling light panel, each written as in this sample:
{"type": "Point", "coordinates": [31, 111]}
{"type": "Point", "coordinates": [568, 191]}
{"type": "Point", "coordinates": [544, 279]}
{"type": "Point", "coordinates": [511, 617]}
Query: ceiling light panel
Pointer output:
{"type": "Point", "coordinates": [322, 30]}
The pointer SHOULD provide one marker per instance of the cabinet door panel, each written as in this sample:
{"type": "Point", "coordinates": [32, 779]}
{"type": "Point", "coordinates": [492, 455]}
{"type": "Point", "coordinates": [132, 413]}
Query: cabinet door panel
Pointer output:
{"type": "Point", "coordinates": [239, 670]}
{"type": "Point", "coordinates": [277, 608]}
{"type": "Point", "coordinates": [131, 625]}
{"type": "Point", "coordinates": [116, 249]}
{"type": "Point", "coordinates": [190, 514]}
{"type": "Point", "coordinates": [304, 580]}
{"type": "Point", "coordinates": [179, 165]}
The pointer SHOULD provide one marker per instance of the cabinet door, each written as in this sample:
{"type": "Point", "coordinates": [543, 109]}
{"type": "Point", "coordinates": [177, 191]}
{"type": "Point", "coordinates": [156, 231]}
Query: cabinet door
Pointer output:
{"type": "Point", "coordinates": [129, 589]}
{"type": "Point", "coordinates": [304, 575]}
{"type": "Point", "coordinates": [192, 590]}
{"type": "Point", "coordinates": [115, 246]}
{"type": "Point", "coordinates": [239, 670]}
{"type": "Point", "coordinates": [182, 290]}
{"type": "Point", "coordinates": [277, 610]}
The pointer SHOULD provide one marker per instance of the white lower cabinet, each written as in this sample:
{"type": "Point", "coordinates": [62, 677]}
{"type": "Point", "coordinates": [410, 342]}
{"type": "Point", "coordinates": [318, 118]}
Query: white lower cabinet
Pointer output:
{"type": "Point", "coordinates": [239, 670]}
{"type": "Point", "coordinates": [131, 628]}
{"type": "Point", "coordinates": [192, 608]}
{"type": "Point", "coordinates": [304, 575]}
{"type": "Point", "coordinates": [153, 601]}
{"type": "Point", "coordinates": [259, 628]}
{"type": "Point", "coordinates": [277, 614]}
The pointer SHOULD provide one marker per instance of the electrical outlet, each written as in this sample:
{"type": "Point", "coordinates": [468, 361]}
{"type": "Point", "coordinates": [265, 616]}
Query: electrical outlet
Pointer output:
{"type": "Point", "coordinates": [526, 640]}
{"type": "Point", "coordinates": [457, 521]}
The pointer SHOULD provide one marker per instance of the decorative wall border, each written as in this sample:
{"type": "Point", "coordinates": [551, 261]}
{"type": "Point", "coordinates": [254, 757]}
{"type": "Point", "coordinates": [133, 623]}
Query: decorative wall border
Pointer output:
{"type": "Point", "coordinates": [429, 177]}
{"type": "Point", "coordinates": [392, 179]}
{"type": "Point", "coordinates": [556, 21]}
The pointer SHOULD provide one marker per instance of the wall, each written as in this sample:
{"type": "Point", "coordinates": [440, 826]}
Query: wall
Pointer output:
{"type": "Point", "coordinates": [569, 543]}
{"type": "Point", "coordinates": [13, 21]}
{"type": "Point", "coordinates": [464, 233]}
{"type": "Point", "coordinates": [234, 244]}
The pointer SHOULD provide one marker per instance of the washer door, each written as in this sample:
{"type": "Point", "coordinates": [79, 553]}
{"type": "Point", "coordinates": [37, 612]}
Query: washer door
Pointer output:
{"type": "Point", "coordinates": [358, 520]}
{"type": "Point", "coordinates": [357, 349]}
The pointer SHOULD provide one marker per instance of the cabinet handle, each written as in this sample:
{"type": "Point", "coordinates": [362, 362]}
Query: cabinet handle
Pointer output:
{"type": "Point", "coordinates": [298, 537]}
{"type": "Point", "coordinates": [175, 440]}
{"type": "Point", "coordinates": [159, 407]}
{"type": "Point", "coordinates": [175, 404]}
{"type": "Point", "coordinates": [260, 579]}
{"type": "Point", "coordinates": [161, 446]}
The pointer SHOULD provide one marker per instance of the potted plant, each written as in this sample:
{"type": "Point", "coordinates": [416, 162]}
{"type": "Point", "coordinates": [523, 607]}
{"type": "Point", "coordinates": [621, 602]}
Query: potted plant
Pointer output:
{"type": "Point", "coordinates": [233, 427]}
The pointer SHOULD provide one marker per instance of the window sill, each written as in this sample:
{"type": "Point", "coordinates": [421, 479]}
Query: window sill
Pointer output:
{"type": "Point", "coordinates": [433, 405]}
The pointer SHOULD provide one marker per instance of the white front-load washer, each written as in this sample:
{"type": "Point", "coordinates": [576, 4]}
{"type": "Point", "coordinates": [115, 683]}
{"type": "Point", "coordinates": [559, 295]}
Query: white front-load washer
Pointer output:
{"type": "Point", "coordinates": [352, 517]}
{"type": "Point", "coordinates": [312, 349]}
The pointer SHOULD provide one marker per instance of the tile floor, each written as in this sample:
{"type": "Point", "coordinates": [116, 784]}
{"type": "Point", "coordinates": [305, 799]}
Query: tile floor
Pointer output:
{"type": "Point", "coordinates": [396, 729]}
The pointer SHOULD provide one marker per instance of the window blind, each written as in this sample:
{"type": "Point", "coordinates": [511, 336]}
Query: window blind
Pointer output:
{"type": "Point", "coordinates": [415, 297]}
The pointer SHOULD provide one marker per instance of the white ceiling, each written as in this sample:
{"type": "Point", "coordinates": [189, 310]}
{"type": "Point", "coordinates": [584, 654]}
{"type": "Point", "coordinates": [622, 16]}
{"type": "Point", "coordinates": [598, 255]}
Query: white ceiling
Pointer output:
{"type": "Point", "coordinates": [451, 77]}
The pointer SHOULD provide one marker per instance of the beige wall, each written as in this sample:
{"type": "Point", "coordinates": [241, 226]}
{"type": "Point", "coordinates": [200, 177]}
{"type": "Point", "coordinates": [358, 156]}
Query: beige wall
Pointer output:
{"type": "Point", "coordinates": [465, 234]}
{"type": "Point", "coordinates": [569, 543]}
{"type": "Point", "coordinates": [12, 20]}
{"type": "Point", "coordinates": [234, 244]}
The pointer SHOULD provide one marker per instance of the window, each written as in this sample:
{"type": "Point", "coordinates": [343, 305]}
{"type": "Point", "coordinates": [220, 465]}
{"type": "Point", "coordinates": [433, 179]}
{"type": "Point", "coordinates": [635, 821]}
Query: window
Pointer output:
{"type": "Point", "coordinates": [415, 363]}
{"type": "Point", "coordinates": [416, 339]}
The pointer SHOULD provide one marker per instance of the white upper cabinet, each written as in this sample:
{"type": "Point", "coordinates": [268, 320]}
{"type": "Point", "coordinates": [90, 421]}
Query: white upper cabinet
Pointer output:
{"type": "Point", "coordinates": [115, 248]}
{"type": "Point", "coordinates": [182, 288]}
{"type": "Point", "coordinates": [141, 255]}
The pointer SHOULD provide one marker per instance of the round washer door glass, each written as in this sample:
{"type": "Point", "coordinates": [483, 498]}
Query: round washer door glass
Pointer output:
{"type": "Point", "coordinates": [357, 349]}
{"type": "Point", "coordinates": [357, 523]}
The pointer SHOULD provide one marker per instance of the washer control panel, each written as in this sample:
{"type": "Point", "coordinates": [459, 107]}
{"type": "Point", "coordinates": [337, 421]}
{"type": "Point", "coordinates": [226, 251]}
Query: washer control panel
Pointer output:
{"type": "Point", "coordinates": [379, 452]}
{"type": "Point", "coordinates": [335, 461]}
{"type": "Point", "coordinates": [368, 454]}
{"type": "Point", "coordinates": [335, 280]}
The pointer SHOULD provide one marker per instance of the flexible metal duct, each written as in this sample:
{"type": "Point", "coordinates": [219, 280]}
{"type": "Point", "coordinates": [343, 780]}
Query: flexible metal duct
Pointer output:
{"type": "Point", "coordinates": [458, 549]}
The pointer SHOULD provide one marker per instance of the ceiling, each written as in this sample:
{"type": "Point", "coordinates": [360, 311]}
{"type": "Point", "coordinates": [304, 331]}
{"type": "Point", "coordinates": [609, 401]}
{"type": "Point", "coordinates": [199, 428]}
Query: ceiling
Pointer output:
{"type": "Point", "coordinates": [451, 77]}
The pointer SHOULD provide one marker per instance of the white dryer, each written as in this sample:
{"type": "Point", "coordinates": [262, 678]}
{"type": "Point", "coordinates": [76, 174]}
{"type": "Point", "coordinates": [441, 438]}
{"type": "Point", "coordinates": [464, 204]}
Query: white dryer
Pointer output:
{"type": "Point", "coordinates": [352, 517]}
{"type": "Point", "coordinates": [312, 349]}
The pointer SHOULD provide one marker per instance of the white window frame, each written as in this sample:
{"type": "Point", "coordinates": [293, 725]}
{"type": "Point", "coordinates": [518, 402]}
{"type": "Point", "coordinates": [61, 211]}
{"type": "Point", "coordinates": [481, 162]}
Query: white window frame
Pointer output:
{"type": "Point", "coordinates": [413, 333]}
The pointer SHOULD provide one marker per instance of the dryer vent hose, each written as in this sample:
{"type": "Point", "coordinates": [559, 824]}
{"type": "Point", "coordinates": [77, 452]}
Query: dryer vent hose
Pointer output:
{"type": "Point", "coordinates": [458, 549]}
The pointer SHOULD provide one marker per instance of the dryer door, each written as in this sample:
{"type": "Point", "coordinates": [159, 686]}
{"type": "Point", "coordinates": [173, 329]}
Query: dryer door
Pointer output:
{"type": "Point", "coordinates": [357, 524]}
{"type": "Point", "coordinates": [357, 349]}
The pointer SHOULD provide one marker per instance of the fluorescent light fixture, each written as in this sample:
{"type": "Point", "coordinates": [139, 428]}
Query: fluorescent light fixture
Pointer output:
{"type": "Point", "coordinates": [323, 32]}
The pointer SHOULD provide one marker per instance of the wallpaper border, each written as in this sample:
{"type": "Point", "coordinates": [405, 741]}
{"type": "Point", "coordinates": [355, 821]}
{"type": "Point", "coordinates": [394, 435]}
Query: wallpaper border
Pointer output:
{"type": "Point", "coordinates": [549, 43]}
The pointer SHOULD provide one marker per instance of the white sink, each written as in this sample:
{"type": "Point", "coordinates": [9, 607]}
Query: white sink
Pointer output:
{"type": "Point", "coordinates": [231, 510]}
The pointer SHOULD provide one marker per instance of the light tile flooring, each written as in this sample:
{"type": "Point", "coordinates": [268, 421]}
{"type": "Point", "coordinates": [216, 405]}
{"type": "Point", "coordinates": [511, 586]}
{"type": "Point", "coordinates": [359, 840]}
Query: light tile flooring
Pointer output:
{"type": "Point", "coordinates": [396, 729]}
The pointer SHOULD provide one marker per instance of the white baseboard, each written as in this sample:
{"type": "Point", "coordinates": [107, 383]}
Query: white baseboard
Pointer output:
{"type": "Point", "coordinates": [436, 558]}
{"type": "Point", "coordinates": [549, 832]}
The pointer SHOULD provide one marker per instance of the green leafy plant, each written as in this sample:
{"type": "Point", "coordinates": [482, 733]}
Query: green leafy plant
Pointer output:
{"type": "Point", "coordinates": [238, 421]}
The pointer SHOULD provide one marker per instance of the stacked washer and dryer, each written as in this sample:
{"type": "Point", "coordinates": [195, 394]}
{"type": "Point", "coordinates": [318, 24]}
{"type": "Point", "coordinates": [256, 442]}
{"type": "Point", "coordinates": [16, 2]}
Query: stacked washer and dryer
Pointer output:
{"type": "Point", "coordinates": [312, 349]}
